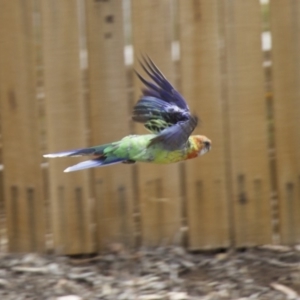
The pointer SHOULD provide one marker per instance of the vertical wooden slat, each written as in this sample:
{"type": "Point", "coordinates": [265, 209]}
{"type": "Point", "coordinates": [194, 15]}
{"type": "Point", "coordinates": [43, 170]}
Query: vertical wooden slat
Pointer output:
{"type": "Point", "coordinates": [159, 186]}
{"type": "Point", "coordinates": [2, 200]}
{"type": "Point", "coordinates": [19, 125]}
{"type": "Point", "coordinates": [285, 28]}
{"type": "Point", "coordinates": [201, 85]}
{"type": "Point", "coordinates": [66, 128]}
{"type": "Point", "coordinates": [109, 119]}
{"type": "Point", "coordinates": [3, 242]}
{"type": "Point", "coordinates": [246, 121]}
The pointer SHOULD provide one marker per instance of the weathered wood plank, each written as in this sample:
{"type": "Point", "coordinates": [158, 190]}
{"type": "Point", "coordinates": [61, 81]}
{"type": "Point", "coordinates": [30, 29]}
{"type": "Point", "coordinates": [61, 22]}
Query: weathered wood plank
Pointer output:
{"type": "Point", "coordinates": [24, 203]}
{"type": "Point", "coordinates": [66, 127]}
{"type": "Point", "coordinates": [201, 84]}
{"type": "Point", "coordinates": [109, 120]}
{"type": "Point", "coordinates": [159, 186]}
{"type": "Point", "coordinates": [285, 28]}
{"type": "Point", "coordinates": [246, 122]}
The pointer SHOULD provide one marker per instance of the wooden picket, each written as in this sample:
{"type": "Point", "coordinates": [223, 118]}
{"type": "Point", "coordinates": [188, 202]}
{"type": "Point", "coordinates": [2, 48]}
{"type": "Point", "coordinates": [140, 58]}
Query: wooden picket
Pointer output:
{"type": "Point", "coordinates": [246, 122]}
{"type": "Point", "coordinates": [109, 120]}
{"type": "Point", "coordinates": [160, 192]}
{"type": "Point", "coordinates": [24, 203]}
{"type": "Point", "coordinates": [285, 29]}
{"type": "Point", "coordinates": [65, 84]}
{"type": "Point", "coordinates": [201, 84]}
{"type": "Point", "coordinates": [70, 195]}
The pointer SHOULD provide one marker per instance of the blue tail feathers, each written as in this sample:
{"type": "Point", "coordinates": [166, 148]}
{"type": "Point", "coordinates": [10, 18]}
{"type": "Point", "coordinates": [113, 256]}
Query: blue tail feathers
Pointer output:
{"type": "Point", "coordinates": [93, 163]}
{"type": "Point", "coordinates": [100, 159]}
{"type": "Point", "coordinates": [97, 150]}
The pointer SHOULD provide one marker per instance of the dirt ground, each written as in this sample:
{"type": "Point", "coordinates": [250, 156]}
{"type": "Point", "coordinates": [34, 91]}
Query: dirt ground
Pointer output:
{"type": "Point", "coordinates": [171, 273]}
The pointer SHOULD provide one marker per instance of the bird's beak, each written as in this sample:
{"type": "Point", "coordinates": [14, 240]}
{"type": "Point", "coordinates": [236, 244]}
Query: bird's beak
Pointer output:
{"type": "Point", "coordinates": [207, 146]}
{"type": "Point", "coordinates": [205, 149]}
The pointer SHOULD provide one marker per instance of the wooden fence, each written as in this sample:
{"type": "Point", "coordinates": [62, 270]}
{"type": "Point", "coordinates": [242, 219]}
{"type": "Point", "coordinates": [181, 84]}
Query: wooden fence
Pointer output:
{"type": "Point", "coordinates": [66, 83]}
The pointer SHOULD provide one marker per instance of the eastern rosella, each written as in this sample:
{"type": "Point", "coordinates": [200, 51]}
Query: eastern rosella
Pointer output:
{"type": "Point", "coordinates": [164, 112]}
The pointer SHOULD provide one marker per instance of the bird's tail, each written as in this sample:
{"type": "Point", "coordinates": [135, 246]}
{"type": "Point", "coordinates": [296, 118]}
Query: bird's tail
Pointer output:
{"type": "Point", "coordinates": [98, 162]}
{"type": "Point", "coordinates": [100, 159]}
{"type": "Point", "coordinates": [97, 150]}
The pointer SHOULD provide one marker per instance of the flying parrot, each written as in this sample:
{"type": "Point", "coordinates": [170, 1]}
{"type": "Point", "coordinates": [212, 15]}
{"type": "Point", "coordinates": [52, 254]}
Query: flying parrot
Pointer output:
{"type": "Point", "coordinates": [165, 113]}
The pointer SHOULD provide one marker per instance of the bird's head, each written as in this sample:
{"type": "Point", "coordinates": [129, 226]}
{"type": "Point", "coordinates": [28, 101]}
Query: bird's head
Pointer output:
{"type": "Point", "coordinates": [204, 144]}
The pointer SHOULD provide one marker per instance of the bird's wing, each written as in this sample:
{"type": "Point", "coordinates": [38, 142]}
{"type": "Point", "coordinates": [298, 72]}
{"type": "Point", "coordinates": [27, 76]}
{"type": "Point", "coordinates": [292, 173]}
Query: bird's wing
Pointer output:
{"type": "Point", "coordinates": [163, 110]}
{"type": "Point", "coordinates": [174, 137]}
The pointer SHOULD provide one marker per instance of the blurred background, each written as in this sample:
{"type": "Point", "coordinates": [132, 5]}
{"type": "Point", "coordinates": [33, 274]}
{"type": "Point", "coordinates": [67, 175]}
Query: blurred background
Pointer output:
{"type": "Point", "coordinates": [67, 81]}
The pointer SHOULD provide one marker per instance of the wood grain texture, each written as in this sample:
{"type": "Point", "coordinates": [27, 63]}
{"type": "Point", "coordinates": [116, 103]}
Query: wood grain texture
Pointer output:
{"type": "Point", "coordinates": [201, 84]}
{"type": "Point", "coordinates": [246, 121]}
{"type": "Point", "coordinates": [285, 28]}
{"type": "Point", "coordinates": [109, 120]}
{"type": "Point", "coordinates": [66, 127]}
{"type": "Point", "coordinates": [24, 203]}
{"type": "Point", "coordinates": [159, 186]}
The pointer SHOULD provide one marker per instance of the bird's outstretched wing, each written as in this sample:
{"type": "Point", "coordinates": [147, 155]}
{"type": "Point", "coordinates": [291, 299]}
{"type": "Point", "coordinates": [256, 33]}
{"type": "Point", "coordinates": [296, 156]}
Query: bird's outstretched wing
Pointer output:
{"type": "Point", "coordinates": [163, 110]}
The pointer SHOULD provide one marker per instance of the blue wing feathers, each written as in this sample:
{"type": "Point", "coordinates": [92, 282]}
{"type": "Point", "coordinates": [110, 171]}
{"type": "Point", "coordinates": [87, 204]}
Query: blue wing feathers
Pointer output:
{"type": "Point", "coordinates": [163, 110]}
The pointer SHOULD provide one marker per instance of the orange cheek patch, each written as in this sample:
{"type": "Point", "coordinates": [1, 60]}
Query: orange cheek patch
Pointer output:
{"type": "Point", "coordinates": [192, 155]}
